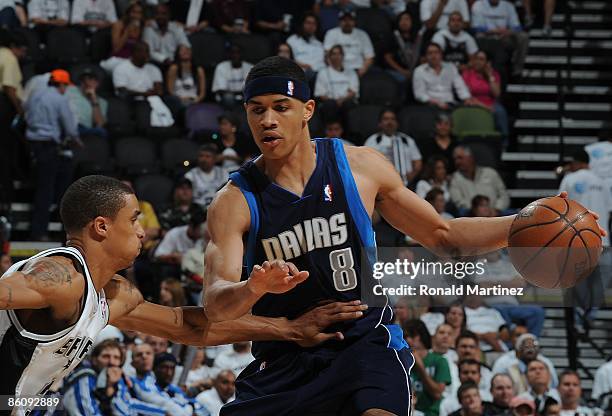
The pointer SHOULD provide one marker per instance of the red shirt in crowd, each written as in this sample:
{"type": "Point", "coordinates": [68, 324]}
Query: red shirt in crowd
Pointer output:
{"type": "Point", "coordinates": [479, 86]}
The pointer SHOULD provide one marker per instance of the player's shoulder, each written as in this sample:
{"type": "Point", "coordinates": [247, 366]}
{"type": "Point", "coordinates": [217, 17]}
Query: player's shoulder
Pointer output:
{"type": "Point", "coordinates": [229, 204]}
{"type": "Point", "coordinates": [55, 275]}
{"type": "Point", "coordinates": [361, 157]}
{"type": "Point", "coordinates": [122, 290]}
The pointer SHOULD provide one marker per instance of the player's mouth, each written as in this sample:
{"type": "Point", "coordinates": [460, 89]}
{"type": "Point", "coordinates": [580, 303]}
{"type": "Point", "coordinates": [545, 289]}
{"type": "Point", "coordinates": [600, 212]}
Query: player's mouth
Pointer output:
{"type": "Point", "coordinates": [271, 140]}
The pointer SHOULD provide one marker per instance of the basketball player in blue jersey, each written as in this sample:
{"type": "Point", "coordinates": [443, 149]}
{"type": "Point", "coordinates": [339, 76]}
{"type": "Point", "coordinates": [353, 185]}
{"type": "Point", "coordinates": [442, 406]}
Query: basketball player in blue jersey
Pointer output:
{"type": "Point", "coordinates": [53, 305]}
{"type": "Point", "coordinates": [310, 202]}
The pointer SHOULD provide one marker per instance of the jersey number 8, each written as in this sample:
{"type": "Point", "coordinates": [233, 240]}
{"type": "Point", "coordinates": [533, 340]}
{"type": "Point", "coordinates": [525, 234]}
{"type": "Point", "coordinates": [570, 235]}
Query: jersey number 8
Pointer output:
{"type": "Point", "coordinates": [342, 265]}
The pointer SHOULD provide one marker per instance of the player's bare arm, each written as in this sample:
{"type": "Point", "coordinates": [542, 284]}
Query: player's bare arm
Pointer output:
{"type": "Point", "coordinates": [227, 298]}
{"type": "Point", "coordinates": [189, 325]}
{"type": "Point", "coordinates": [381, 188]}
{"type": "Point", "coordinates": [48, 282]}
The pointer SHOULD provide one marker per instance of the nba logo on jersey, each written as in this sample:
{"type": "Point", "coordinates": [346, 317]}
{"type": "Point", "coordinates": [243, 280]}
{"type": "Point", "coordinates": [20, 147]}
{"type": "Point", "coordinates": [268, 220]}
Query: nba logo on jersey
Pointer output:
{"type": "Point", "coordinates": [327, 193]}
{"type": "Point", "coordinates": [290, 88]}
{"type": "Point", "coordinates": [103, 307]}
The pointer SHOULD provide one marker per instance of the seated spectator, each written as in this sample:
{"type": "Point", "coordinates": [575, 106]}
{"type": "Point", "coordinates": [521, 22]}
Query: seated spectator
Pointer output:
{"type": "Point", "coordinates": [514, 363]}
{"type": "Point", "coordinates": [12, 14]}
{"type": "Point", "coordinates": [538, 378]}
{"type": "Point", "coordinates": [570, 391]}
{"type": "Point", "coordinates": [230, 16]}
{"type": "Point", "coordinates": [328, 11]}
{"type": "Point", "coordinates": [272, 19]}
{"type": "Point", "coordinates": [455, 317]}
{"type": "Point", "coordinates": [549, 9]}
{"type": "Point", "coordinates": [356, 44]}
{"type": "Point", "coordinates": [101, 388]}
{"type": "Point", "coordinates": [602, 383]}
{"type": "Point", "coordinates": [182, 207]}
{"type": "Point", "coordinates": [93, 14]}
{"type": "Point", "coordinates": [430, 374]}
{"type": "Point", "coordinates": [442, 142]}
{"type": "Point", "coordinates": [236, 359]}
{"type": "Point", "coordinates": [335, 130]}
{"type": "Point", "coordinates": [481, 207]}
{"type": "Point", "coordinates": [164, 368]}
{"type": "Point", "coordinates": [401, 55]}
{"type": "Point", "coordinates": [159, 344]}
{"type": "Point", "coordinates": [552, 408]}
{"type": "Point", "coordinates": [399, 148]}
{"type": "Point", "coordinates": [125, 34]}
{"type": "Point", "coordinates": [51, 130]}
{"type": "Point", "coordinates": [89, 108]}
{"type": "Point", "coordinates": [45, 14]}
{"type": "Point", "coordinates": [484, 84]}
{"type": "Point", "coordinates": [441, 344]}
{"type": "Point", "coordinates": [469, 371]}
{"type": "Point", "coordinates": [471, 402]}
{"type": "Point", "coordinates": [284, 50]}
{"type": "Point", "coordinates": [468, 348]}
{"type": "Point", "coordinates": [164, 36]}
{"type": "Point", "coordinates": [234, 148]}
{"type": "Point", "coordinates": [435, 81]}
{"type": "Point", "coordinates": [171, 293]}
{"type": "Point", "coordinates": [192, 14]}
{"type": "Point", "coordinates": [5, 263]}
{"type": "Point", "coordinates": [435, 196]}
{"type": "Point", "coordinates": [185, 80]}
{"type": "Point", "coordinates": [180, 239]}
{"type": "Point", "coordinates": [470, 180]}
{"type": "Point", "coordinates": [307, 50]}
{"type": "Point", "coordinates": [229, 78]}
{"type": "Point", "coordinates": [136, 78]}
{"type": "Point", "coordinates": [200, 375]}
{"type": "Point", "coordinates": [223, 391]}
{"type": "Point", "coordinates": [496, 21]}
{"type": "Point", "coordinates": [458, 46]}
{"type": "Point", "coordinates": [337, 87]}
{"type": "Point", "coordinates": [502, 390]}
{"type": "Point", "coordinates": [520, 406]}
{"type": "Point", "coordinates": [485, 322]}
{"type": "Point", "coordinates": [435, 176]}
{"type": "Point", "coordinates": [206, 178]}
{"type": "Point", "coordinates": [436, 13]}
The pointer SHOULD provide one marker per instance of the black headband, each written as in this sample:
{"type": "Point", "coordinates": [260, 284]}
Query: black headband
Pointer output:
{"type": "Point", "coordinates": [277, 85]}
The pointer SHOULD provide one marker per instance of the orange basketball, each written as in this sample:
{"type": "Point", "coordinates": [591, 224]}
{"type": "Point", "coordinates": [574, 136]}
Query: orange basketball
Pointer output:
{"type": "Point", "coordinates": [554, 243]}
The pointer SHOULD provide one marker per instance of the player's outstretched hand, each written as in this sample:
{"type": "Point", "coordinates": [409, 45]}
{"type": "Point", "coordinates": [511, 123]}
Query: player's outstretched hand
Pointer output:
{"type": "Point", "coordinates": [602, 231]}
{"type": "Point", "coordinates": [275, 277]}
{"type": "Point", "coordinates": [311, 324]}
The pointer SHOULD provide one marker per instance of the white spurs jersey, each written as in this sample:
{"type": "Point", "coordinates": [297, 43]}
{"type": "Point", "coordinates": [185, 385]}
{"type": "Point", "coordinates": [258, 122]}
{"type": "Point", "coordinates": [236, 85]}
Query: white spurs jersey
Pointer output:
{"type": "Point", "coordinates": [34, 363]}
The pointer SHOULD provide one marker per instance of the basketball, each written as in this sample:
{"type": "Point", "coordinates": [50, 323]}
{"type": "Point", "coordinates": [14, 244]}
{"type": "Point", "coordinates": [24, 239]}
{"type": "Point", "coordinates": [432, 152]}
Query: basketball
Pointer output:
{"type": "Point", "coordinates": [554, 243]}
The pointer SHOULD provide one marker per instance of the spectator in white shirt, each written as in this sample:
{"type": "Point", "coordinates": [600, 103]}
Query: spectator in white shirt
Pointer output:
{"type": "Point", "coordinates": [469, 370]}
{"type": "Point", "coordinates": [356, 44]}
{"type": "Point", "coordinates": [435, 176]}
{"type": "Point", "coordinates": [570, 391]}
{"type": "Point", "coordinates": [93, 14]}
{"type": "Point", "coordinates": [229, 77]}
{"type": "Point", "coordinates": [164, 36]}
{"type": "Point", "coordinates": [538, 377]}
{"type": "Point", "coordinates": [602, 383]}
{"type": "Point", "coordinates": [181, 239]}
{"type": "Point", "coordinates": [434, 81]}
{"type": "Point", "coordinates": [502, 392]}
{"type": "Point", "coordinates": [136, 78]}
{"type": "Point", "coordinates": [337, 87]}
{"type": "Point", "coordinates": [206, 178]}
{"type": "Point", "coordinates": [399, 148]}
{"type": "Point", "coordinates": [458, 45]}
{"type": "Point", "coordinates": [496, 21]}
{"type": "Point", "coordinates": [236, 359]}
{"type": "Point", "coordinates": [46, 14]}
{"type": "Point", "coordinates": [484, 322]}
{"type": "Point", "coordinates": [307, 50]}
{"type": "Point", "coordinates": [222, 392]}
{"type": "Point", "coordinates": [435, 13]}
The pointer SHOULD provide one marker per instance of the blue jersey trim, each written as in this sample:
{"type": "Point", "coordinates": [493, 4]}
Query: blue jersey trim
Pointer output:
{"type": "Point", "coordinates": [249, 256]}
{"type": "Point", "coordinates": [396, 337]}
{"type": "Point", "coordinates": [358, 212]}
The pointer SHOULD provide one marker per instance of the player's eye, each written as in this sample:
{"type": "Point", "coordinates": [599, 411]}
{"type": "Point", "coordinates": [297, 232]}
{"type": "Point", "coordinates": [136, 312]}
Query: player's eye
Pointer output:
{"type": "Point", "coordinates": [258, 110]}
{"type": "Point", "coordinates": [281, 108]}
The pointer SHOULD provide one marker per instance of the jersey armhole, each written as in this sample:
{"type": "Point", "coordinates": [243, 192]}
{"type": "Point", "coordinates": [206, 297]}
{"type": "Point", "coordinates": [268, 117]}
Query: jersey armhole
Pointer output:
{"type": "Point", "coordinates": [249, 255]}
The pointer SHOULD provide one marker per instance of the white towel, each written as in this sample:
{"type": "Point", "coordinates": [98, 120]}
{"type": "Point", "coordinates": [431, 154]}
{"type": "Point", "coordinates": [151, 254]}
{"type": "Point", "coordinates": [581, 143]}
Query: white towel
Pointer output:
{"type": "Point", "coordinates": [160, 113]}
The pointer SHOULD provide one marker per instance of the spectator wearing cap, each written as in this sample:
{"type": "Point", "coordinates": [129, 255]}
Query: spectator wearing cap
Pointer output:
{"type": "Point", "coordinates": [442, 142]}
{"type": "Point", "coordinates": [435, 82]}
{"type": "Point", "coordinates": [229, 77]}
{"type": "Point", "coordinates": [307, 50]}
{"type": "Point", "coordinates": [207, 177]}
{"type": "Point", "coordinates": [231, 16]}
{"type": "Point", "coordinates": [435, 13]}
{"type": "Point", "coordinates": [223, 391]}
{"type": "Point", "coordinates": [458, 45]}
{"type": "Point", "coordinates": [539, 380]}
{"type": "Point", "coordinates": [502, 391]}
{"type": "Point", "coordinates": [336, 86]}
{"type": "Point", "coordinates": [93, 14]}
{"type": "Point", "coordinates": [51, 128]}
{"type": "Point", "coordinates": [46, 15]}
{"type": "Point", "coordinates": [236, 359]}
{"type": "Point", "coordinates": [234, 148]}
{"type": "Point", "coordinates": [514, 363]}
{"type": "Point", "coordinates": [89, 108]}
{"type": "Point", "coordinates": [521, 406]}
{"type": "Point", "coordinates": [179, 213]}
{"type": "Point", "coordinates": [570, 391]}
{"type": "Point", "coordinates": [470, 180]}
{"type": "Point", "coordinates": [588, 189]}
{"type": "Point", "coordinates": [470, 401]}
{"type": "Point", "coordinates": [399, 148]}
{"type": "Point", "coordinates": [356, 44]}
{"type": "Point", "coordinates": [164, 36]}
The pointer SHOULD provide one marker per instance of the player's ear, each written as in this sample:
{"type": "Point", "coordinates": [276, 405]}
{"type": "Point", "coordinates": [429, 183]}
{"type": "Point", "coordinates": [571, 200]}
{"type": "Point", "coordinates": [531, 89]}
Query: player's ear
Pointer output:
{"type": "Point", "coordinates": [309, 109]}
{"type": "Point", "coordinates": [100, 227]}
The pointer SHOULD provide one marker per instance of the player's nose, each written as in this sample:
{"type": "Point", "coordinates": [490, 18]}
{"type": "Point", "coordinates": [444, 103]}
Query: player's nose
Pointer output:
{"type": "Point", "coordinates": [268, 119]}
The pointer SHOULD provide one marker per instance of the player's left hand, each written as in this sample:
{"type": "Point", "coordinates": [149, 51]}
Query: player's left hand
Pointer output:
{"type": "Point", "coordinates": [275, 277]}
{"type": "Point", "coordinates": [602, 231]}
{"type": "Point", "coordinates": [310, 325]}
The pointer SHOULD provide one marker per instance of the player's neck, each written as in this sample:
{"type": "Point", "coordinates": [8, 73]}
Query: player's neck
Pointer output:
{"type": "Point", "coordinates": [293, 171]}
{"type": "Point", "coordinates": [100, 268]}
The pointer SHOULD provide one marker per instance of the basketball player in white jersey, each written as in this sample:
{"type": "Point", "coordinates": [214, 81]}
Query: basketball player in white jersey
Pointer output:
{"type": "Point", "coordinates": [54, 304]}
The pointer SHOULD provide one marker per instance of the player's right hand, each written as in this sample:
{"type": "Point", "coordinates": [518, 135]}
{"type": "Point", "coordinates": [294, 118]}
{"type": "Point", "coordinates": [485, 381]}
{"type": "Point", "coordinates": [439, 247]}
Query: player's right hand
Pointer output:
{"type": "Point", "coordinates": [275, 277]}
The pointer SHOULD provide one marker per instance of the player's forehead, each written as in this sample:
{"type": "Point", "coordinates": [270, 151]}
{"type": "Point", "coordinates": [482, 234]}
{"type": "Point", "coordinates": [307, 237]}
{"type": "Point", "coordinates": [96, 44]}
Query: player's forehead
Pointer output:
{"type": "Point", "coordinates": [130, 206]}
{"type": "Point", "coordinates": [271, 99]}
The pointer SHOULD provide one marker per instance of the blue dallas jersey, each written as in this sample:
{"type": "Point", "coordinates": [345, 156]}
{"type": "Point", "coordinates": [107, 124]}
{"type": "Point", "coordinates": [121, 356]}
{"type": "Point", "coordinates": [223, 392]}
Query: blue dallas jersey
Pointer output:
{"type": "Point", "coordinates": [326, 231]}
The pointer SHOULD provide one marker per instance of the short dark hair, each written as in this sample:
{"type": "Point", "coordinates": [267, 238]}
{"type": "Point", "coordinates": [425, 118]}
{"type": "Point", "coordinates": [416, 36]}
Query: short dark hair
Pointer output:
{"type": "Point", "coordinates": [434, 44]}
{"type": "Point", "coordinates": [468, 361]}
{"type": "Point", "coordinates": [468, 385]}
{"type": "Point", "coordinates": [548, 403]}
{"type": "Point", "coordinates": [197, 217]}
{"type": "Point", "coordinates": [209, 148]}
{"type": "Point", "coordinates": [433, 194]}
{"type": "Point", "coordinates": [569, 373]}
{"type": "Point", "coordinates": [385, 111]}
{"type": "Point", "coordinates": [90, 197]}
{"type": "Point", "coordinates": [467, 334]}
{"type": "Point", "coordinates": [276, 66]}
{"type": "Point", "coordinates": [581, 156]}
{"type": "Point", "coordinates": [416, 327]}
